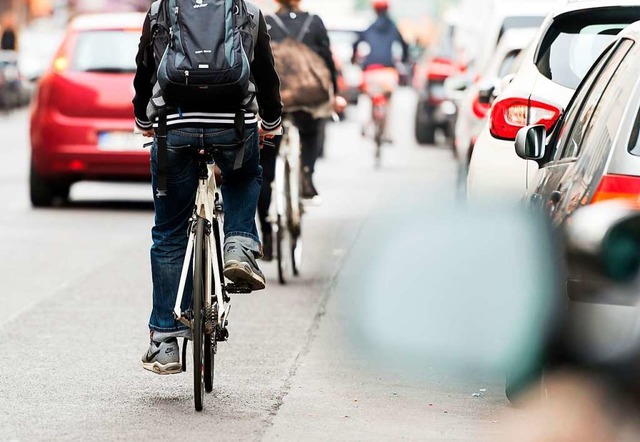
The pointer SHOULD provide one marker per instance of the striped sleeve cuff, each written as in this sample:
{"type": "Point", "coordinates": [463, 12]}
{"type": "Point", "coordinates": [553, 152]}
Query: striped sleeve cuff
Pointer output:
{"type": "Point", "coordinates": [146, 125]}
{"type": "Point", "coordinates": [269, 126]}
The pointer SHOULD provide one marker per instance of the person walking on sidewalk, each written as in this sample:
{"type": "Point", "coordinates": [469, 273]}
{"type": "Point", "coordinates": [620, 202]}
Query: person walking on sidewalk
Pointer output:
{"type": "Point", "coordinates": [205, 123]}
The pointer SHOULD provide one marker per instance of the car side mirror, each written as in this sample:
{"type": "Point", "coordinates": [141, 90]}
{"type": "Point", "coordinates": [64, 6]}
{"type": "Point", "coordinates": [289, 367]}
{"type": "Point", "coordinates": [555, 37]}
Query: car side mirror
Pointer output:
{"type": "Point", "coordinates": [603, 241]}
{"type": "Point", "coordinates": [530, 142]}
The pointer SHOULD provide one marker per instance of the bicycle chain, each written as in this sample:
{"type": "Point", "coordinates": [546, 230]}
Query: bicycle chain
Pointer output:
{"type": "Point", "coordinates": [211, 315]}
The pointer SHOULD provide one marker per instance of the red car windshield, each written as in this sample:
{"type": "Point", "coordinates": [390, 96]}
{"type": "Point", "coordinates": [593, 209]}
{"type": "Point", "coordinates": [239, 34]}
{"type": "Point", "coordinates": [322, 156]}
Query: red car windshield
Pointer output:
{"type": "Point", "coordinates": [105, 51]}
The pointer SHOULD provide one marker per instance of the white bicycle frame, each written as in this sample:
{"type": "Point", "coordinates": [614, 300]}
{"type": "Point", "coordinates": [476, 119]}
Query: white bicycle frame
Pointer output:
{"type": "Point", "coordinates": [289, 152]}
{"type": "Point", "coordinates": [205, 208]}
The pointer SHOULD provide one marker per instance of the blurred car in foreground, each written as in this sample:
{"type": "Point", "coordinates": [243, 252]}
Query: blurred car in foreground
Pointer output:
{"type": "Point", "coordinates": [475, 105]}
{"type": "Point", "coordinates": [569, 42]}
{"type": "Point", "coordinates": [81, 120]}
{"type": "Point", "coordinates": [594, 154]}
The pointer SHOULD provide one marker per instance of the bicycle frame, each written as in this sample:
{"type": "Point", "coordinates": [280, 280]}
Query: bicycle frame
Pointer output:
{"type": "Point", "coordinates": [208, 207]}
{"type": "Point", "coordinates": [289, 156]}
{"type": "Point", "coordinates": [285, 212]}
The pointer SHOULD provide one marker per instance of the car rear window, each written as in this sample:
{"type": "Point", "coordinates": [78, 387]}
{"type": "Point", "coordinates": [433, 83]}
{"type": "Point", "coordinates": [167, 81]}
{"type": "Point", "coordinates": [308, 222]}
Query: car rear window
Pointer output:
{"type": "Point", "coordinates": [574, 41]}
{"type": "Point", "coordinates": [105, 51]}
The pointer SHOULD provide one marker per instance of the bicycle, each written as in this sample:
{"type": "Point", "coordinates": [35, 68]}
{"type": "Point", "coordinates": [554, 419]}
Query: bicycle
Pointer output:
{"type": "Point", "coordinates": [208, 316]}
{"type": "Point", "coordinates": [286, 207]}
{"type": "Point", "coordinates": [379, 83]}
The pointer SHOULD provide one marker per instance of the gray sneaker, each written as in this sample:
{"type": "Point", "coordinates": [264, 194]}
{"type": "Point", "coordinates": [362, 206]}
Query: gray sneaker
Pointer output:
{"type": "Point", "coordinates": [163, 357]}
{"type": "Point", "coordinates": [241, 267]}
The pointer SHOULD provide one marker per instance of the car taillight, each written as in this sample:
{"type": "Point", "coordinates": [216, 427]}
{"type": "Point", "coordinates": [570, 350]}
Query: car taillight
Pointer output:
{"type": "Point", "coordinates": [512, 114]}
{"type": "Point", "coordinates": [480, 110]}
{"type": "Point", "coordinates": [616, 187]}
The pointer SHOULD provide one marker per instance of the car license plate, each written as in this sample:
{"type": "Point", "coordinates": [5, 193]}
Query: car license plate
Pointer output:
{"type": "Point", "coordinates": [120, 141]}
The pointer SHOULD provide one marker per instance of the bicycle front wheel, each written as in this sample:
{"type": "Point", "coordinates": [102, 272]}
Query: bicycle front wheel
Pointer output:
{"type": "Point", "coordinates": [199, 315]}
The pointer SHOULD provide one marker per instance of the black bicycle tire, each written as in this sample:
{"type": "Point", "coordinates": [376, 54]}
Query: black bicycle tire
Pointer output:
{"type": "Point", "coordinates": [209, 363]}
{"type": "Point", "coordinates": [198, 316]}
{"type": "Point", "coordinates": [295, 245]}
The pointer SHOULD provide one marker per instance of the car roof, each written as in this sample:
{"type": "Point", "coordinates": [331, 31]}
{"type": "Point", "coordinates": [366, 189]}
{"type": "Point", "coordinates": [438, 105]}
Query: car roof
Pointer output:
{"type": "Point", "coordinates": [580, 5]}
{"type": "Point", "coordinates": [632, 31]}
{"type": "Point", "coordinates": [109, 21]}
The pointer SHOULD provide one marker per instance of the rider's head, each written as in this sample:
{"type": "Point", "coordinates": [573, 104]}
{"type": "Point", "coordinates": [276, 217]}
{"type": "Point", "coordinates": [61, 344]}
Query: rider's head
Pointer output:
{"type": "Point", "coordinates": [380, 6]}
{"type": "Point", "coordinates": [290, 4]}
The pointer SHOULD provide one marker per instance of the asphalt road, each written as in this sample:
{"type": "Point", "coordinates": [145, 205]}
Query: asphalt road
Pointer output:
{"type": "Point", "coordinates": [76, 295]}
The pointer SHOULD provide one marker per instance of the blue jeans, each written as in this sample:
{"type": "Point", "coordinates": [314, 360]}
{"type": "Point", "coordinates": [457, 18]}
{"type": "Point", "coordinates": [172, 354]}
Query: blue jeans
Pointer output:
{"type": "Point", "coordinates": [240, 192]}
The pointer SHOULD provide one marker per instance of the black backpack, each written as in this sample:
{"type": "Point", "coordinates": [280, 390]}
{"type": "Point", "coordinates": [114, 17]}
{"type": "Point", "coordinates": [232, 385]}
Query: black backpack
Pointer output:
{"type": "Point", "coordinates": [202, 50]}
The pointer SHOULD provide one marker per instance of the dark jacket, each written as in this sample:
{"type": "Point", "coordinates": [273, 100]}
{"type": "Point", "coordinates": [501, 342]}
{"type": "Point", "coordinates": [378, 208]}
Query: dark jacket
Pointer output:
{"type": "Point", "coordinates": [263, 76]}
{"type": "Point", "coordinates": [8, 40]}
{"type": "Point", "coordinates": [317, 38]}
{"type": "Point", "coordinates": [380, 37]}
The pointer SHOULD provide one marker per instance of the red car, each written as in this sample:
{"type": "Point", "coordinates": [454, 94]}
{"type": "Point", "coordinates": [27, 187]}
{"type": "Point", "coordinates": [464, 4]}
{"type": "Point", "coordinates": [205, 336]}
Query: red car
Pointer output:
{"type": "Point", "coordinates": [82, 116]}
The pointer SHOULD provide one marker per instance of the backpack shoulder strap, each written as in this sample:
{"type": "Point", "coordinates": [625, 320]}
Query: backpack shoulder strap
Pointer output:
{"type": "Point", "coordinates": [280, 24]}
{"type": "Point", "coordinates": [254, 22]}
{"type": "Point", "coordinates": [154, 10]}
{"type": "Point", "coordinates": [305, 27]}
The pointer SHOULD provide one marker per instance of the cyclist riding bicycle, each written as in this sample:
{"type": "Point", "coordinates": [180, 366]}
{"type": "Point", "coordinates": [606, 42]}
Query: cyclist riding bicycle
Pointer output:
{"type": "Point", "coordinates": [289, 21]}
{"type": "Point", "coordinates": [207, 124]}
{"type": "Point", "coordinates": [380, 38]}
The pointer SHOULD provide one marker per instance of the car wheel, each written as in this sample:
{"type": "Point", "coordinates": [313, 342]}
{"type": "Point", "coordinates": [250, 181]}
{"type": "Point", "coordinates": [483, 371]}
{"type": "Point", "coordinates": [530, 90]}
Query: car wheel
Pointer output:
{"type": "Point", "coordinates": [425, 132]}
{"type": "Point", "coordinates": [44, 192]}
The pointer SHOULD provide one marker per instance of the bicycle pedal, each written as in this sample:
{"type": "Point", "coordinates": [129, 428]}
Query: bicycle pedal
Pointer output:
{"type": "Point", "coordinates": [233, 289]}
{"type": "Point", "coordinates": [222, 335]}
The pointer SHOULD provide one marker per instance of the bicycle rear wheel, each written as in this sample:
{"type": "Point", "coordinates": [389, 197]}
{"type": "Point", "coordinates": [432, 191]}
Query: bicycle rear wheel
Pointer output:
{"type": "Point", "coordinates": [281, 248]}
{"type": "Point", "coordinates": [296, 251]}
{"type": "Point", "coordinates": [199, 315]}
{"type": "Point", "coordinates": [209, 361]}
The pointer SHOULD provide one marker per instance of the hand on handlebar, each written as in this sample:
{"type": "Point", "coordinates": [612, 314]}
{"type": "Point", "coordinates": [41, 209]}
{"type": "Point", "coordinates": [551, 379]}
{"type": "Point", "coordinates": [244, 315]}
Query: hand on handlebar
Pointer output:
{"type": "Point", "coordinates": [268, 135]}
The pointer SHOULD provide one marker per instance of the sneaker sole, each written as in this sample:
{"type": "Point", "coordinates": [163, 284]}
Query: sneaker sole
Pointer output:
{"type": "Point", "coordinates": [241, 273]}
{"type": "Point", "coordinates": [158, 368]}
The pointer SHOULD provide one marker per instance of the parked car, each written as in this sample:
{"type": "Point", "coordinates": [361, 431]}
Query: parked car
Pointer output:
{"type": "Point", "coordinates": [571, 38]}
{"type": "Point", "coordinates": [433, 110]}
{"type": "Point", "coordinates": [81, 119]}
{"type": "Point", "coordinates": [593, 156]}
{"type": "Point", "coordinates": [594, 153]}
{"type": "Point", "coordinates": [477, 37]}
{"type": "Point", "coordinates": [475, 105]}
